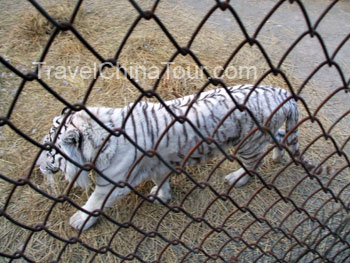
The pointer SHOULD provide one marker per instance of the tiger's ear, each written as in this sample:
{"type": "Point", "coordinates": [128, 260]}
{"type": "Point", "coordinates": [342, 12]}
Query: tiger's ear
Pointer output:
{"type": "Point", "coordinates": [72, 137]}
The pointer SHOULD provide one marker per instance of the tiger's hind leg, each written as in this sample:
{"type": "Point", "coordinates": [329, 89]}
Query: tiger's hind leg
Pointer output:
{"type": "Point", "coordinates": [161, 189]}
{"type": "Point", "coordinates": [277, 154]}
{"type": "Point", "coordinates": [251, 160]}
{"type": "Point", "coordinates": [239, 178]}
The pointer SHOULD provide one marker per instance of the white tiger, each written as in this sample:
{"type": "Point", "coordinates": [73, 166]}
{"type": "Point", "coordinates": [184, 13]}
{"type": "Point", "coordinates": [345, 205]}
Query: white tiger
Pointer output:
{"type": "Point", "coordinates": [213, 113]}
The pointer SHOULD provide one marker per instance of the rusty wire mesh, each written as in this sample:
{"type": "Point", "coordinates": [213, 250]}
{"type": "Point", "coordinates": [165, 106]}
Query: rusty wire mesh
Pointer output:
{"type": "Point", "coordinates": [314, 238]}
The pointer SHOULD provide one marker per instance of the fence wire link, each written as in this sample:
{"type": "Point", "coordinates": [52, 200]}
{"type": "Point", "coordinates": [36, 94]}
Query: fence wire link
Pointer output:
{"type": "Point", "coordinates": [251, 251]}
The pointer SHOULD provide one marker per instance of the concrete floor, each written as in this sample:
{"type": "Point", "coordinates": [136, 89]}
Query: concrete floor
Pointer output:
{"type": "Point", "coordinates": [287, 24]}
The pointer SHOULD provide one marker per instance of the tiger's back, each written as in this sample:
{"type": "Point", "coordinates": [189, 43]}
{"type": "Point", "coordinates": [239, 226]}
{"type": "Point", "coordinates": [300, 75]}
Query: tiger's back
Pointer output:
{"type": "Point", "coordinates": [212, 115]}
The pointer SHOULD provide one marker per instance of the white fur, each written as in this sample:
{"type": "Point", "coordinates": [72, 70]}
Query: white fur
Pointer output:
{"type": "Point", "coordinates": [239, 178]}
{"type": "Point", "coordinates": [119, 154]}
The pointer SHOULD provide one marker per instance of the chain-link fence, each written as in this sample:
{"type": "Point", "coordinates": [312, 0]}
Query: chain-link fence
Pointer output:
{"type": "Point", "coordinates": [287, 214]}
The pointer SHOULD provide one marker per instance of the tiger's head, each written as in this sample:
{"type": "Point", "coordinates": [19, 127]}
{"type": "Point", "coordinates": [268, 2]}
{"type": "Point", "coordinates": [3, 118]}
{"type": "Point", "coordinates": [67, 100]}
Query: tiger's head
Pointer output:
{"type": "Point", "coordinates": [69, 141]}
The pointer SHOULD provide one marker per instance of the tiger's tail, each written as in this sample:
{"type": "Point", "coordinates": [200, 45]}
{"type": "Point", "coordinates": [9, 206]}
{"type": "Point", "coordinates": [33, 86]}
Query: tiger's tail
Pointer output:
{"type": "Point", "coordinates": [292, 142]}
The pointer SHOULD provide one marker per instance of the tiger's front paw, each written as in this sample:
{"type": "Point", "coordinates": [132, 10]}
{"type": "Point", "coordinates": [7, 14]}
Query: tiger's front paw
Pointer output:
{"type": "Point", "coordinates": [79, 218]}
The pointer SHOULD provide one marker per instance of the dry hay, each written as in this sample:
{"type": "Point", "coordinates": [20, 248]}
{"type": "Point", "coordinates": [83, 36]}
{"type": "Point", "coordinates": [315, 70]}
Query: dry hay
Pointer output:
{"type": "Point", "coordinates": [104, 26]}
